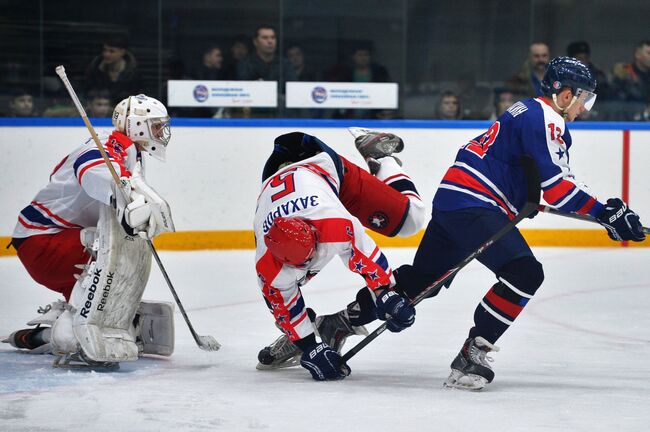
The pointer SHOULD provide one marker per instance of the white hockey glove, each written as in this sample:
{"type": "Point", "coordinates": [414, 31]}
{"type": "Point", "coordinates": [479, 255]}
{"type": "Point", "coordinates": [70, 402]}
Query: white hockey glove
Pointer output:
{"type": "Point", "coordinates": [146, 214]}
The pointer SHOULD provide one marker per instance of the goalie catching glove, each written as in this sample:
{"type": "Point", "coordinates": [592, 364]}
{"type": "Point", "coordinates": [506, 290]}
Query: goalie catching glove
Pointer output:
{"type": "Point", "coordinates": [146, 213]}
{"type": "Point", "coordinates": [621, 222]}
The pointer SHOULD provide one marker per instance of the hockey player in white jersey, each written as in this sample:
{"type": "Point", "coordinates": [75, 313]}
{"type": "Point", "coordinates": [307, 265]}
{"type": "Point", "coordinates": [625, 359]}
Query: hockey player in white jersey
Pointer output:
{"type": "Point", "coordinates": [82, 237]}
{"type": "Point", "coordinates": [310, 209]}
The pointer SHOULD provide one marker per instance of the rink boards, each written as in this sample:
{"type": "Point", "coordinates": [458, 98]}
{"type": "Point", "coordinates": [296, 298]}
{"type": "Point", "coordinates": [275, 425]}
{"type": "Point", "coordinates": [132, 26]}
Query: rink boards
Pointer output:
{"type": "Point", "coordinates": [213, 171]}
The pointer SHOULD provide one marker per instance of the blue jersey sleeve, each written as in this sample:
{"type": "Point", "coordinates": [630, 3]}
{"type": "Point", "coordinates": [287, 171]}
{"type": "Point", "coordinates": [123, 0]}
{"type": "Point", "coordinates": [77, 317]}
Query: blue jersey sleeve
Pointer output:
{"type": "Point", "coordinates": [547, 140]}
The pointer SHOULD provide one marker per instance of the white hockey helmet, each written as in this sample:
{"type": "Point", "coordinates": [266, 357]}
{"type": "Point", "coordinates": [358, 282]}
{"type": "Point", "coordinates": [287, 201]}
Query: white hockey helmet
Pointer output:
{"type": "Point", "coordinates": [144, 120]}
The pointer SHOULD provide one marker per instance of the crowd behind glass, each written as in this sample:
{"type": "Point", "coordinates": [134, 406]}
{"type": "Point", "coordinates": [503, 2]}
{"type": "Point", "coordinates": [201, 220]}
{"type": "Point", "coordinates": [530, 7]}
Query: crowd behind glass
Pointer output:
{"type": "Point", "coordinates": [113, 73]}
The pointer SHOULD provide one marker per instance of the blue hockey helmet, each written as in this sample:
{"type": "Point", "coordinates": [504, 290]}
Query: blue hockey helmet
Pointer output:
{"type": "Point", "coordinates": [567, 72]}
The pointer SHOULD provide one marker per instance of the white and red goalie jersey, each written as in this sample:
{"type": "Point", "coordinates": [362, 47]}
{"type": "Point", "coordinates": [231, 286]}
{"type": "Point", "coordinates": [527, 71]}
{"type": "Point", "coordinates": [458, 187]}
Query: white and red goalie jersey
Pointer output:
{"type": "Point", "coordinates": [78, 185]}
{"type": "Point", "coordinates": [309, 189]}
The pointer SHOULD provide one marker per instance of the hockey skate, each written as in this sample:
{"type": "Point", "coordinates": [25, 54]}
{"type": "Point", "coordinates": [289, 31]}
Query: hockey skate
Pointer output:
{"type": "Point", "coordinates": [78, 361]}
{"type": "Point", "coordinates": [336, 328]}
{"type": "Point", "coordinates": [374, 145]}
{"type": "Point", "coordinates": [470, 369]}
{"type": "Point", "coordinates": [332, 329]}
{"type": "Point", "coordinates": [37, 339]}
{"type": "Point", "coordinates": [282, 353]}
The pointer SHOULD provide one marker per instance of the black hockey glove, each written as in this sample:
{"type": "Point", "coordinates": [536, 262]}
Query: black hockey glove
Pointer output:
{"type": "Point", "coordinates": [324, 363]}
{"type": "Point", "coordinates": [621, 222]}
{"type": "Point", "coordinates": [395, 310]}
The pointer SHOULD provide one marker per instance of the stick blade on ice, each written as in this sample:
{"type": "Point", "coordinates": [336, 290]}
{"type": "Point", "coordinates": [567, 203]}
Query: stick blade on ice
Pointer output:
{"type": "Point", "coordinates": [208, 343]}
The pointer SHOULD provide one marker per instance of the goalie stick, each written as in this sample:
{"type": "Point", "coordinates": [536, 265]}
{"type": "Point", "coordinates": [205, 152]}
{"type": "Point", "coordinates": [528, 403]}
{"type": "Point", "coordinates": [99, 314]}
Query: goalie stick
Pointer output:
{"type": "Point", "coordinates": [551, 210]}
{"type": "Point", "coordinates": [532, 202]}
{"type": "Point", "coordinates": [207, 343]}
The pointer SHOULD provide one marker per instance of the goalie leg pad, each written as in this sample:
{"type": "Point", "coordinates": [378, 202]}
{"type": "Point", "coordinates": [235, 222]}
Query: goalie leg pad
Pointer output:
{"type": "Point", "coordinates": [63, 339]}
{"type": "Point", "coordinates": [48, 314]}
{"type": "Point", "coordinates": [154, 328]}
{"type": "Point", "coordinates": [112, 290]}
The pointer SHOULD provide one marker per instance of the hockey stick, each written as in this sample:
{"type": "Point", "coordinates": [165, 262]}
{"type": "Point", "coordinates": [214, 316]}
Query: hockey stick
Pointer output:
{"type": "Point", "coordinates": [550, 210]}
{"type": "Point", "coordinates": [207, 343]}
{"type": "Point", "coordinates": [532, 201]}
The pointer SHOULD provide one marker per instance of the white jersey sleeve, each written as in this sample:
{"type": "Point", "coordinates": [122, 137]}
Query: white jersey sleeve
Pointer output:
{"type": "Point", "coordinates": [92, 173]}
{"type": "Point", "coordinates": [77, 186]}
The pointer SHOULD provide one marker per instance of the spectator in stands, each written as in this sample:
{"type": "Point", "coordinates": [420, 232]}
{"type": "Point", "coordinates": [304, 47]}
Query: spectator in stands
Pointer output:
{"type": "Point", "coordinates": [211, 67]}
{"type": "Point", "coordinates": [57, 102]}
{"type": "Point", "coordinates": [296, 57]}
{"type": "Point", "coordinates": [21, 104]}
{"type": "Point", "coordinates": [631, 82]}
{"type": "Point", "coordinates": [448, 106]}
{"type": "Point", "coordinates": [528, 81]}
{"type": "Point", "coordinates": [239, 49]}
{"type": "Point", "coordinates": [263, 63]}
{"type": "Point", "coordinates": [474, 98]}
{"type": "Point", "coordinates": [361, 68]}
{"type": "Point", "coordinates": [503, 99]}
{"type": "Point", "coordinates": [115, 69]}
{"type": "Point", "coordinates": [645, 114]}
{"type": "Point", "coordinates": [176, 70]}
{"type": "Point", "coordinates": [99, 103]}
{"type": "Point", "coordinates": [582, 51]}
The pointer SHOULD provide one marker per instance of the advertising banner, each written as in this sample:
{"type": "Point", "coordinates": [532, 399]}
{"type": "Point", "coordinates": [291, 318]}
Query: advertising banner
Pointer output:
{"type": "Point", "coordinates": [342, 95]}
{"type": "Point", "coordinates": [199, 93]}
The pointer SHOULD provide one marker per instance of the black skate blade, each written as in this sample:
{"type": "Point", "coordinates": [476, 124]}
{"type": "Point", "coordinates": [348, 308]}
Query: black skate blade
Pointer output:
{"type": "Point", "coordinates": [70, 363]}
{"type": "Point", "coordinates": [291, 362]}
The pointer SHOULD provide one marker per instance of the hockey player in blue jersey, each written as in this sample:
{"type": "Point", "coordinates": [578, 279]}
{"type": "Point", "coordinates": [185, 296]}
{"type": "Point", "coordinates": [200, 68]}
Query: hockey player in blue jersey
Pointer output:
{"type": "Point", "coordinates": [485, 188]}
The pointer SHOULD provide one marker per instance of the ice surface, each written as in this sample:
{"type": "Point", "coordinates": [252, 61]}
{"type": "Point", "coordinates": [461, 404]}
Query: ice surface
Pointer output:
{"type": "Point", "coordinates": [576, 360]}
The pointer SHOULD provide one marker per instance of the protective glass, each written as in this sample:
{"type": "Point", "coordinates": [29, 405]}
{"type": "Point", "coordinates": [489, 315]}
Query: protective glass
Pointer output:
{"type": "Point", "coordinates": [160, 130]}
{"type": "Point", "coordinates": [586, 98]}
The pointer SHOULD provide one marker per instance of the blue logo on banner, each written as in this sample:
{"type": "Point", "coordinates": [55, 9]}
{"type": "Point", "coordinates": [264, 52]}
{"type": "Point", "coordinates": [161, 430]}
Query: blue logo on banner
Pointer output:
{"type": "Point", "coordinates": [319, 94]}
{"type": "Point", "coordinates": [201, 93]}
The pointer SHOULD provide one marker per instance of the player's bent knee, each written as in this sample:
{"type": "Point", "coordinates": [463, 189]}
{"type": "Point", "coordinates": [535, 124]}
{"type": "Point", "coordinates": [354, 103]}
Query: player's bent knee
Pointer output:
{"type": "Point", "coordinates": [523, 274]}
{"type": "Point", "coordinates": [410, 282]}
{"type": "Point", "coordinates": [415, 219]}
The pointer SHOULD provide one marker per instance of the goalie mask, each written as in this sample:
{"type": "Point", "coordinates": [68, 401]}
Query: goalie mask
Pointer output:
{"type": "Point", "coordinates": [145, 121]}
